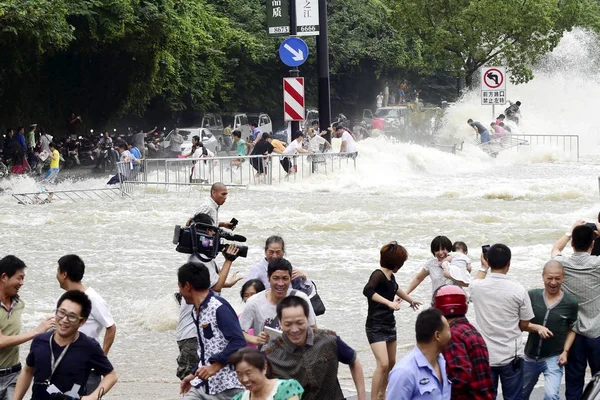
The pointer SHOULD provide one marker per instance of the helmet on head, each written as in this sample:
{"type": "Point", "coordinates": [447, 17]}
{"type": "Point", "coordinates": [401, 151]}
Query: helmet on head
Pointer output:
{"type": "Point", "coordinates": [450, 300]}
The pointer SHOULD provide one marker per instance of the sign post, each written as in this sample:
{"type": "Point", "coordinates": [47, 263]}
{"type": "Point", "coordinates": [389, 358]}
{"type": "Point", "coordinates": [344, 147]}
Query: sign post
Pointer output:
{"type": "Point", "coordinates": [493, 87]}
{"type": "Point", "coordinates": [293, 99]}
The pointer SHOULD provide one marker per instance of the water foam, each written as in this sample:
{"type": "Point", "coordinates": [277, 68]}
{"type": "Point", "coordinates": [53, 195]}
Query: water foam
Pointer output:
{"type": "Point", "coordinates": [560, 100]}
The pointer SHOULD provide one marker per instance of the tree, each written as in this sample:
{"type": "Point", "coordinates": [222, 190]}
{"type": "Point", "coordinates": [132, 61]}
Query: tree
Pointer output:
{"type": "Point", "coordinates": [461, 36]}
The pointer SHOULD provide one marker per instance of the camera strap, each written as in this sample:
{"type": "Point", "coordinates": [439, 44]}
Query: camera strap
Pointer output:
{"type": "Point", "coordinates": [54, 364]}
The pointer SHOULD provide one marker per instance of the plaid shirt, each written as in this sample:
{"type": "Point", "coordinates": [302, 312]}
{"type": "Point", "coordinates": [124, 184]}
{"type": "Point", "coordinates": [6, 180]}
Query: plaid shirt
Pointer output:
{"type": "Point", "coordinates": [467, 363]}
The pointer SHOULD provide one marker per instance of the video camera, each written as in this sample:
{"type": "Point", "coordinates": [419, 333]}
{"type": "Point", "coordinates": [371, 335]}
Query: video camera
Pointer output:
{"type": "Point", "coordinates": [196, 239]}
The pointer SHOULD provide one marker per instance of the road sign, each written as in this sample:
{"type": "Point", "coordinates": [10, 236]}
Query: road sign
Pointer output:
{"type": "Point", "coordinates": [293, 52]}
{"type": "Point", "coordinates": [493, 85]}
{"type": "Point", "coordinates": [278, 17]}
{"type": "Point", "coordinates": [293, 99]}
{"type": "Point", "coordinates": [307, 17]}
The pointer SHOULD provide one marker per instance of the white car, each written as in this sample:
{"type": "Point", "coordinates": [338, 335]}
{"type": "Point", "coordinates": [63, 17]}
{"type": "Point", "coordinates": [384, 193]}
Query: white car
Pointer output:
{"type": "Point", "coordinates": [208, 139]}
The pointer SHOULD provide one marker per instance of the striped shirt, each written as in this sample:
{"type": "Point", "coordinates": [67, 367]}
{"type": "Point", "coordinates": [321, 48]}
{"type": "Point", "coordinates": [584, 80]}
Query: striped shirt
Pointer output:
{"type": "Point", "coordinates": [582, 280]}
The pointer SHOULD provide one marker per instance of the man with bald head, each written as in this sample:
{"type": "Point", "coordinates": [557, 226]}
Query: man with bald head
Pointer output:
{"type": "Point", "coordinates": [550, 332]}
{"type": "Point", "coordinates": [218, 196]}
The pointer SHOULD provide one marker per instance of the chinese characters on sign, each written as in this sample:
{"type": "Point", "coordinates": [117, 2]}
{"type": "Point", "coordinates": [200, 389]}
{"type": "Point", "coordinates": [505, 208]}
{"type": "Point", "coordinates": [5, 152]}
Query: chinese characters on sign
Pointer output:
{"type": "Point", "coordinates": [278, 17]}
{"type": "Point", "coordinates": [493, 97]}
{"type": "Point", "coordinates": [493, 85]}
{"type": "Point", "coordinates": [307, 17]}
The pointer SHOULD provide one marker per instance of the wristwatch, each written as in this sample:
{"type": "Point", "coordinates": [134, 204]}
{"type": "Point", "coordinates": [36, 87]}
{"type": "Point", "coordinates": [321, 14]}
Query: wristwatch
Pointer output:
{"type": "Point", "coordinates": [568, 234]}
{"type": "Point", "coordinates": [483, 270]}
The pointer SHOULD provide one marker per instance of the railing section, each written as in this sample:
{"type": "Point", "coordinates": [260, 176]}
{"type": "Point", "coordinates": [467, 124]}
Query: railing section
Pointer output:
{"type": "Point", "coordinates": [185, 173]}
{"type": "Point", "coordinates": [568, 143]}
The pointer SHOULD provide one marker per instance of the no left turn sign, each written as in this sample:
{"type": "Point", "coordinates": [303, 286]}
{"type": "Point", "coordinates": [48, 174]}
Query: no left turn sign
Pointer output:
{"type": "Point", "coordinates": [493, 78]}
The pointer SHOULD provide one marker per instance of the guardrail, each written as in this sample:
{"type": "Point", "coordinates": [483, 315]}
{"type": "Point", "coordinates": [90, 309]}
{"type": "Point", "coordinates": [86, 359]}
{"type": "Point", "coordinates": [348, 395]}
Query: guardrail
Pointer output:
{"type": "Point", "coordinates": [180, 173]}
{"type": "Point", "coordinates": [48, 195]}
{"type": "Point", "coordinates": [569, 143]}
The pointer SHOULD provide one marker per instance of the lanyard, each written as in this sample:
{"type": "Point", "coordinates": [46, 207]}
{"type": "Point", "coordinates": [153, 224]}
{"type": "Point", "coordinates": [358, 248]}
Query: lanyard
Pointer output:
{"type": "Point", "coordinates": [54, 364]}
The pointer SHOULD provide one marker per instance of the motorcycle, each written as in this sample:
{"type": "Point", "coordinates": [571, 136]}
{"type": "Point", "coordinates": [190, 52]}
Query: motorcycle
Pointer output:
{"type": "Point", "coordinates": [107, 158]}
{"type": "Point", "coordinates": [86, 151]}
{"type": "Point", "coordinates": [69, 154]}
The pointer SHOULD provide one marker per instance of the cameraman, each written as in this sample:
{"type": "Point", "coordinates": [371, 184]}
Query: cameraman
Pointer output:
{"type": "Point", "coordinates": [186, 335]}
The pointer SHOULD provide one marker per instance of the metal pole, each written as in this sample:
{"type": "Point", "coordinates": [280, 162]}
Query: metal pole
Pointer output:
{"type": "Point", "coordinates": [493, 112]}
{"type": "Point", "coordinates": [294, 72]}
{"type": "Point", "coordinates": [323, 68]}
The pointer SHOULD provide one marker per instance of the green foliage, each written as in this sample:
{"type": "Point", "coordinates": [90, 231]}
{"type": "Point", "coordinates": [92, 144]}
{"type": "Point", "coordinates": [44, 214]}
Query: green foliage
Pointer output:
{"type": "Point", "coordinates": [160, 59]}
{"type": "Point", "coordinates": [462, 35]}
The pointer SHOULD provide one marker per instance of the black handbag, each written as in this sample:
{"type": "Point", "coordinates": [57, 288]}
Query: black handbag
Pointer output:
{"type": "Point", "coordinates": [316, 301]}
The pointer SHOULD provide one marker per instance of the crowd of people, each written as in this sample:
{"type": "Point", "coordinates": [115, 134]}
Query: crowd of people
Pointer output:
{"type": "Point", "coordinates": [452, 359]}
{"type": "Point", "coordinates": [276, 349]}
{"type": "Point", "coordinates": [497, 129]}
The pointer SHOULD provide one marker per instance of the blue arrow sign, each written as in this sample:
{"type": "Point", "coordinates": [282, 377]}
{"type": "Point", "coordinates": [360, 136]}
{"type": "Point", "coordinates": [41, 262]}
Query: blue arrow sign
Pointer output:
{"type": "Point", "coordinates": [293, 52]}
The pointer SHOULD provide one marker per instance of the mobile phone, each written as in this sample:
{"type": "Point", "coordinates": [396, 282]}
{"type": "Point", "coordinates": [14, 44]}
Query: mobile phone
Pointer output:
{"type": "Point", "coordinates": [233, 222]}
{"type": "Point", "coordinates": [484, 250]}
{"type": "Point", "coordinates": [273, 333]}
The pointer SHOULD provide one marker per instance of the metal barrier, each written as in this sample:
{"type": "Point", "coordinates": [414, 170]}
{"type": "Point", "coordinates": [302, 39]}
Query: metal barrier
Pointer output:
{"type": "Point", "coordinates": [240, 171]}
{"type": "Point", "coordinates": [569, 143]}
{"type": "Point", "coordinates": [447, 148]}
{"type": "Point", "coordinates": [49, 196]}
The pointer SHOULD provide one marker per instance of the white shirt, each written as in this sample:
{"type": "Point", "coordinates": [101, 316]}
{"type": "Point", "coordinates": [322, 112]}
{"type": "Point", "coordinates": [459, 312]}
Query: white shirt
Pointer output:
{"type": "Point", "coordinates": [176, 141]}
{"type": "Point", "coordinates": [259, 312]}
{"type": "Point", "coordinates": [292, 148]}
{"type": "Point", "coordinates": [100, 317]}
{"type": "Point", "coordinates": [186, 329]}
{"type": "Point", "coordinates": [499, 306]}
{"type": "Point", "coordinates": [350, 143]}
{"type": "Point", "coordinates": [315, 142]}
{"type": "Point", "coordinates": [45, 141]}
{"type": "Point", "coordinates": [211, 208]}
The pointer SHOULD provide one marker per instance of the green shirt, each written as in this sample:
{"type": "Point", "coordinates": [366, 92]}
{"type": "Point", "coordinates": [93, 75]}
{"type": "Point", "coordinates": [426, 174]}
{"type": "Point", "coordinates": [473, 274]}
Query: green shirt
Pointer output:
{"type": "Point", "coordinates": [241, 147]}
{"type": "Point", "coordinates": [10, 325]}
{"type": "Point", "coordinates": [558, 319]}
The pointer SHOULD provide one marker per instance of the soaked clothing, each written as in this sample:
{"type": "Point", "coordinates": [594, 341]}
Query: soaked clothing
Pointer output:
{"type": "Point", "coordinates": [314, 365]}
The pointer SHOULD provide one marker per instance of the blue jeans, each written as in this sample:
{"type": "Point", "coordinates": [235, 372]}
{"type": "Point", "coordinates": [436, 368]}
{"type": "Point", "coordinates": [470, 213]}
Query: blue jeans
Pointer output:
{"type": "Point", "coordinates": [485, 136]}
{"type": "Point", "coordinates": [511, 376]}
{"type": "Point", "coordinates": [552, 375]}
{"type": "Point", "coordinates": [583, 352]}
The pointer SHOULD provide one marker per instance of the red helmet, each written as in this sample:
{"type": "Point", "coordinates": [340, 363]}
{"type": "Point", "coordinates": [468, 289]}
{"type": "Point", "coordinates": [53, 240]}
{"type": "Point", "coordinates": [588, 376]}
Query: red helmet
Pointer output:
{"type": "Point", "coordinates": [450, 300]}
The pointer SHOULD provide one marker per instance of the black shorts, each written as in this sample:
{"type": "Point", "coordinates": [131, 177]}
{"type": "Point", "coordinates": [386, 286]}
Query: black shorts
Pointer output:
{"type": "Point", "coordinates": [381, 333]}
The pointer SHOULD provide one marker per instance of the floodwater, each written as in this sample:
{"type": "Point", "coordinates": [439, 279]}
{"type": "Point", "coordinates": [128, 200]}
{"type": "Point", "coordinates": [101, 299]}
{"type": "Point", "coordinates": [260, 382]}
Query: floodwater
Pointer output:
{"type": "Point", "coordinates": [333, 227]}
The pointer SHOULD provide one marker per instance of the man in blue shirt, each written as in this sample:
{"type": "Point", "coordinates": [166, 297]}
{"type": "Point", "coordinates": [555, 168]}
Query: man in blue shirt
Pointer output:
{"type": "Point", "coordinates": [60, 361]}
{"type": "Point", "coordinates": [256, 132]}
{"type": "Point", "coordinates": [421, 375]}
{"type": "Point", "coordinates": [136, 153]}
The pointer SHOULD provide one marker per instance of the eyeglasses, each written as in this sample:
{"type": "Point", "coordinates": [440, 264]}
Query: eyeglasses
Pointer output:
{"type": "Point", "coordinates": [72, 318]}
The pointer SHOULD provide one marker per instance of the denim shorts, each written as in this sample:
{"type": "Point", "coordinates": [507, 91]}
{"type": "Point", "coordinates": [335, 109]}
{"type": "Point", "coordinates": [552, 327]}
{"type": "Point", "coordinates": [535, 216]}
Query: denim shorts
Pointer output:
{"type": "Point", "coordinates": [381, 333]}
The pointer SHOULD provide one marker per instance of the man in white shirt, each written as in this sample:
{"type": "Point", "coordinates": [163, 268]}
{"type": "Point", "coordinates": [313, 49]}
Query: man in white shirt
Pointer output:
{"type": "Point", "coordinates": [348, 142]}
{"type": "Point", "coordinates": [260, 311]}
{"type": "Point", "coordinates": [69, 275]}
{"type": "Point", "coordinates": [316, 141]}
{"type": "Point", "coordinates": [218, 196]}
{"type": "Point", "coordinates": [502, 310]}
{"type": "Point", "coordinates": [176, 141]}
{"type": "Point", "coordinates": [293, 148]}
